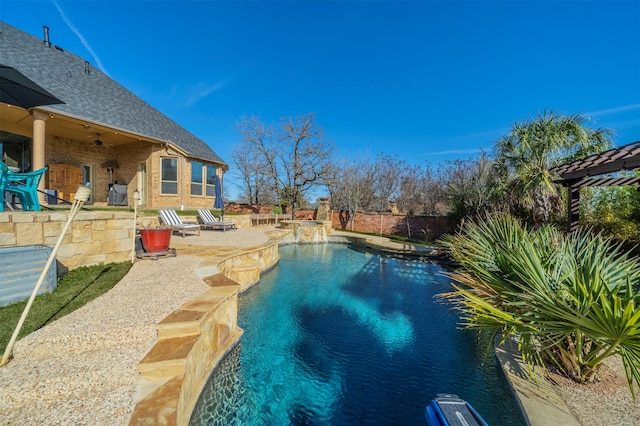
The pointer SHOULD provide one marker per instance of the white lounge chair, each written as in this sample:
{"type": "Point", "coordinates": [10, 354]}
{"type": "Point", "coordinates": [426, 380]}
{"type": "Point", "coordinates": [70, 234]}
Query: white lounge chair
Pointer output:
{"type": "Point", "coordinates": [170, 218]}
{"type": "Point", "coordinates": [209, 221]}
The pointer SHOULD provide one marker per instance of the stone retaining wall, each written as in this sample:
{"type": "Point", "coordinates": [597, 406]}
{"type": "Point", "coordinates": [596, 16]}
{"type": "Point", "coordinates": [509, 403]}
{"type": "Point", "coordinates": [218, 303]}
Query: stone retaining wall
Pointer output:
{"type": "Point", "coordinates": [245, 268]}
{"type": "Point", "coordinates": [93, 238]}
{"type": "Point", "coordinates": [193, 339]}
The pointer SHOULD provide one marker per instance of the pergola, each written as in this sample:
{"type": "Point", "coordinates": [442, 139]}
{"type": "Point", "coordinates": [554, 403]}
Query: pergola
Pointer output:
{"type": "Point", "coordinates": [589, 171]}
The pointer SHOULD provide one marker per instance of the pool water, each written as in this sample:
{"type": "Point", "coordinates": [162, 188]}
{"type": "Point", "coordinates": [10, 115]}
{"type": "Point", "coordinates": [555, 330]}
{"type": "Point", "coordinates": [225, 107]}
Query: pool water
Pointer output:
{"type": "Point", "coordinates": [336, 336]}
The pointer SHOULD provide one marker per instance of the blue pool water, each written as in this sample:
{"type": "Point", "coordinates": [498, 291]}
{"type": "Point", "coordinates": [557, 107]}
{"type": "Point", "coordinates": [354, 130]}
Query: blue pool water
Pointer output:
{"type": "Point", "coordinates": [335, 336]}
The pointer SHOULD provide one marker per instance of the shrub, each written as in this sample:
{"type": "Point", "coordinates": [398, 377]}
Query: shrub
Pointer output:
{"type": "Point", "coordinates": [570, 300]}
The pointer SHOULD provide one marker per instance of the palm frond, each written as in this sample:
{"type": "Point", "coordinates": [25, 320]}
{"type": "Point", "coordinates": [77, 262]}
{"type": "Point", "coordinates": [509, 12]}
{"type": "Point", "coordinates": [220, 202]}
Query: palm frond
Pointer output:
{"type": "Point", "coordinates": [569, 299]}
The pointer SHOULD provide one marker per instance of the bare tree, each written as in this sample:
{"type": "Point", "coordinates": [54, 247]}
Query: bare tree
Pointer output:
{"type": "Point", "coordinates": [353, 189]}
{"type": "Point", "coordinates": [332, 180]}
{"type": "Point", "coordinates": [433, 196]}
{"type": "Point", "coordinates": [246, 171]}
{"type": "Point", "coordinates": [294, 158]}
{"type": "Point", "coordinates": [304, 154]}
{"type": "Point", "coordinates": [258, 168]}
{"type": "Point", "coordinates": [388, 171]}
{"type": "Point", "coordinates": [411, 189]}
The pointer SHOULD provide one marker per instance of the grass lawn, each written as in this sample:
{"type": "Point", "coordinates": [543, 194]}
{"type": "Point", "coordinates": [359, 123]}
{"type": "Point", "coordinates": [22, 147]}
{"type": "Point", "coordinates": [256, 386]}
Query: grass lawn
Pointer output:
{"type": "Point", "coordinates": [74, 290]}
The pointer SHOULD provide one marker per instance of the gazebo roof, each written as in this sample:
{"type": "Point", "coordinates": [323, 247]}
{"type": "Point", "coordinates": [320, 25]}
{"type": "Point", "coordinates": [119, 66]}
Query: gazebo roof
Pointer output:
{"type": "Point", "coordinates": [626, 157]}
{"type": "Point", "coordinates": [587, 172]}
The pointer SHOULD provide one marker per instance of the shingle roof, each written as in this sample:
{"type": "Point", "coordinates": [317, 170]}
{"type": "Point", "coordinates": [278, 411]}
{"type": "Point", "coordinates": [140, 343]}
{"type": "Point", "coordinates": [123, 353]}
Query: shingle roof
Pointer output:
{"type": "Point", "coordinates": [92, 96]}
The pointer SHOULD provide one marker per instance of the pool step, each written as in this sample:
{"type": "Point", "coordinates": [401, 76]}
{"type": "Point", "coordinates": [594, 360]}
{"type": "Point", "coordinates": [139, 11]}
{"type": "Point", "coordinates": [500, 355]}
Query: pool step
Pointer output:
{"type": "Point", "coordinates": [246, 273]}
{"type": "Point", "coordinates": [179, 323]}
{"type": "Point", "coordinates": [191, 317]}
{"type": "Point", "coordinates": [167, 358]}
{"type": "Point", "coordinates": [191, 340]}
{"type": "Point", "coordinates": [160, 407]}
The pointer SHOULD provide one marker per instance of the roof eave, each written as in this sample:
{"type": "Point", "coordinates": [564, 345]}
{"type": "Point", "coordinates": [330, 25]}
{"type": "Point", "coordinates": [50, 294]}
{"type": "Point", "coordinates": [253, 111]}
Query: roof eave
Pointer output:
{"type": "Point", "coordinates": [147, 138]}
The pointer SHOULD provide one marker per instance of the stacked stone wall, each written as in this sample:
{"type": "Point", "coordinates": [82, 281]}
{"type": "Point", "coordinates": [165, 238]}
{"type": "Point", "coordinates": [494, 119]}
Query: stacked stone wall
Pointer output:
{"type": "Point", "coordinates": [249, 208]}
{"type": "Point", "coordinates": [305, 214]}
{"type": "Point", "coordinates": [93, 238]}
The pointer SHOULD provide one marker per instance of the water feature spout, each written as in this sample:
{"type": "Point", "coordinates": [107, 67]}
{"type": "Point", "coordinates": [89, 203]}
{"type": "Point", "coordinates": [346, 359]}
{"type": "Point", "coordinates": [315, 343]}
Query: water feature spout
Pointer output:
{"type": "Point", "coordinates": [306, 231]}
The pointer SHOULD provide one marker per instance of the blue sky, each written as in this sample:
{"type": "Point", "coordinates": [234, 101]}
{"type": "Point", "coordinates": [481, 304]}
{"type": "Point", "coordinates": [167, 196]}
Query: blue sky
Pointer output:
{"type": "Point", "coordinates": [424, 80]}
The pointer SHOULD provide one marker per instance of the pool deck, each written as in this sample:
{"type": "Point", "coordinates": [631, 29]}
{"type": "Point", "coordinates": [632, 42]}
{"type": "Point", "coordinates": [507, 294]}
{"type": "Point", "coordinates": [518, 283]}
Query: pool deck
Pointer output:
{"type": "Point", "coordinates": [83, 368]}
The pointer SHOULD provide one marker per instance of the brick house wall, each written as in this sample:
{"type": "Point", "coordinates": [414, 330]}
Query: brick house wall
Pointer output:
{"type": "Point", "coordinates": [128, 157]}
{"type": "Point", "coordinates": [68, 151]}
{"type": "Point", "coordinates": [184, 197]}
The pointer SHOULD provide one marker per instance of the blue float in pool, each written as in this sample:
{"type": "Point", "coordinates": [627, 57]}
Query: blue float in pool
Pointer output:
{"type": "Point", "coordinates": [449, 410]}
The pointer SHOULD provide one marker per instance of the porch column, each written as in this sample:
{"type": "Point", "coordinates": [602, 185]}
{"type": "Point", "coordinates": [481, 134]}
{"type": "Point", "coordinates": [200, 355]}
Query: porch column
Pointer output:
{"type": "Point", "coordinates": [37, 147]}
{"type": "Point", "coordinates": [573, 208]}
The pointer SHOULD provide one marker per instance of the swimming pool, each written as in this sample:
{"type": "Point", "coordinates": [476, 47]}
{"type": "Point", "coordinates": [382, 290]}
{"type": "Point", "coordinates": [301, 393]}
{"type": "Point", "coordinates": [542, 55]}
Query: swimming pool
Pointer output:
{"type": "Point", "coordinates": [339, 336]}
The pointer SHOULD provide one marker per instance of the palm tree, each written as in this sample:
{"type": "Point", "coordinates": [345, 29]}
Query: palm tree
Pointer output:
{"type": "Point", "coordinates": [532, 147]}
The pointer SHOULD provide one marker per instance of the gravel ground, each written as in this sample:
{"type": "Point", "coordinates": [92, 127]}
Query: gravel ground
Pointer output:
{"type": "Point", "coordinates": [81, 369]}
{"type": "Point", "coordinates": [603, 403]}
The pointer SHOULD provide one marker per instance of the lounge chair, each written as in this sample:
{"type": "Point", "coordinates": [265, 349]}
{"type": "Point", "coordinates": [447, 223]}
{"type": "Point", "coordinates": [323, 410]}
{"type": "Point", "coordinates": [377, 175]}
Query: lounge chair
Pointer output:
{"type": "Point", "coordinates": [170, 218]}
{"type": "Point", "coordinates": [209, 221]}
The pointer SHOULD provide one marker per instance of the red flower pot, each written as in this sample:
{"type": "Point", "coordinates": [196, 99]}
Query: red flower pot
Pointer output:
{"type": "Point", "coordinates": [155, 240]}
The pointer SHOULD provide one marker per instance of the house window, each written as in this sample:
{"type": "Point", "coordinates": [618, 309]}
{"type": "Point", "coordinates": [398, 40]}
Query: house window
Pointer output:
{"type": "Point", "coordinates": [211, 182]}
{"type": "Point", "coordinates": [15, 151]}
{"type": "Point", "coordinates": [169, 173]}
{"type": "Point", "coordinates": [196, 178]}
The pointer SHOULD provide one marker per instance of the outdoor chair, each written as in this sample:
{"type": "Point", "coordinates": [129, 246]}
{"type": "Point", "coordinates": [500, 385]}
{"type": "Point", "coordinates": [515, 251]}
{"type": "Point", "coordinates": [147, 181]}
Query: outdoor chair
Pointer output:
{"type": "Point", "coordinates": [209, 221]}
{"type": "Point", "coordinates": [170, 218]}
{"type": "Point", "coordinates": [25, 186]}
{"type": "Point", "coordinates": [4, 180]}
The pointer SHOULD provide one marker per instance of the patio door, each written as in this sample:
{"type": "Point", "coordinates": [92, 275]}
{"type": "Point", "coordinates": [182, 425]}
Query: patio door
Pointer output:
{"type": "Point", "coordinates": [88, 179]}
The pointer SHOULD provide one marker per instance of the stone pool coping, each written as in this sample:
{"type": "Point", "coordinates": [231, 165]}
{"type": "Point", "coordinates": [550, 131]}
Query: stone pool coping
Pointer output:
{"type": "Point", "coordinates": [539, 403]}
{"type": "Point", "coordinates": [167, 399]}
{"type": "Point", "coordinates": [195, 337]}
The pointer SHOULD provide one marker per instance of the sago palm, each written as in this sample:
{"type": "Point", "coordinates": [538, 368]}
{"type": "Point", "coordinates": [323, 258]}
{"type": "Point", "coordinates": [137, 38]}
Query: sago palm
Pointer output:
{"type": "Point", "coordinates": [569, 300]}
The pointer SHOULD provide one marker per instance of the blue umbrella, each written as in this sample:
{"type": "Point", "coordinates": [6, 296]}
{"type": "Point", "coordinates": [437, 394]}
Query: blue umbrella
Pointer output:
{"type": "Point", "coordinates": [219, 202]}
